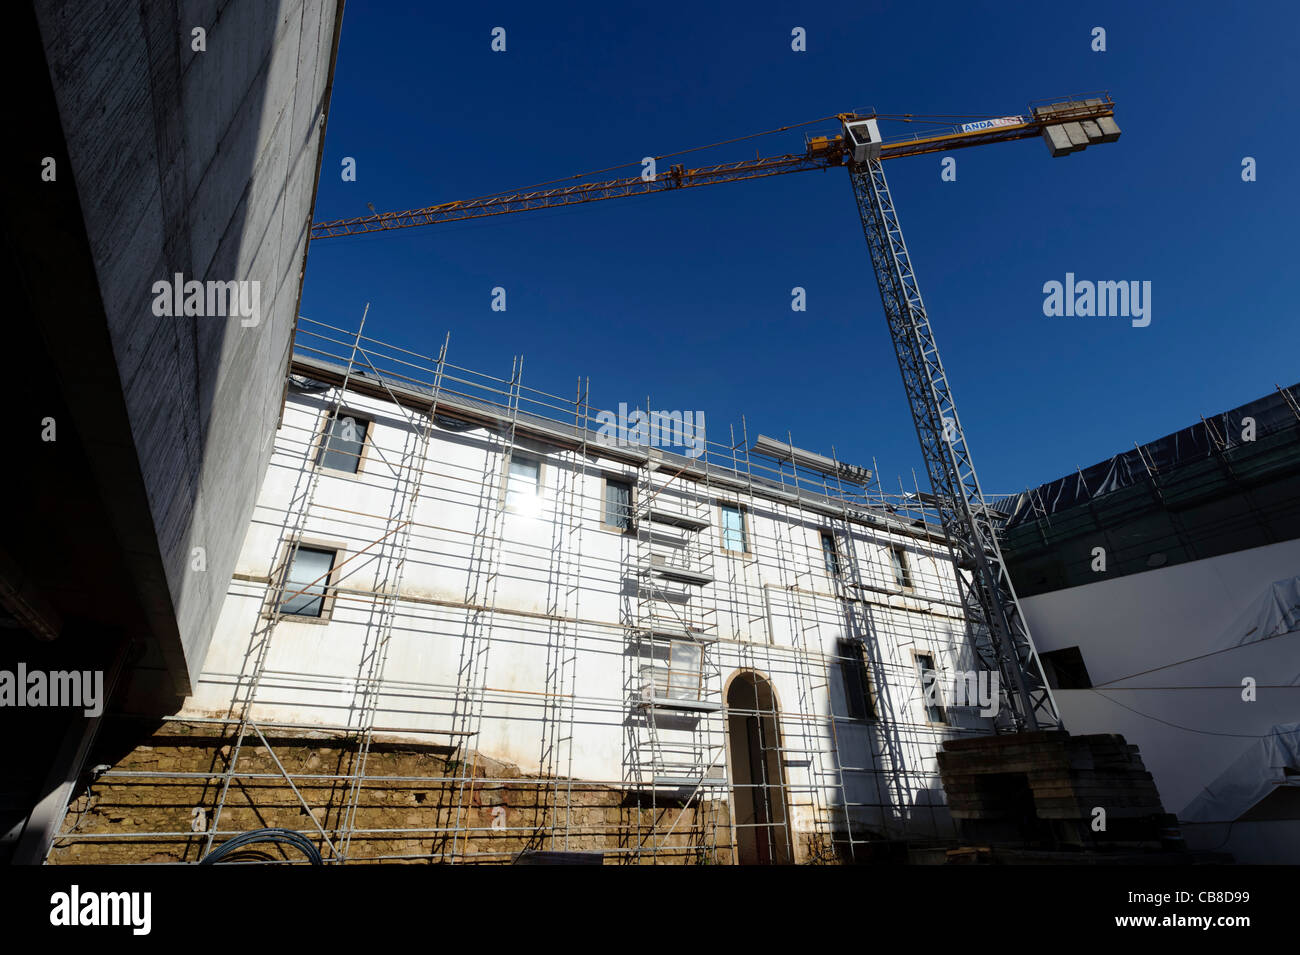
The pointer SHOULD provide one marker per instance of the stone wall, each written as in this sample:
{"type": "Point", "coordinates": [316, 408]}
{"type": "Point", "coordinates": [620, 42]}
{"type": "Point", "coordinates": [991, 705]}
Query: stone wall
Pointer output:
{"type": "Point", "coordinates": [473, 809]}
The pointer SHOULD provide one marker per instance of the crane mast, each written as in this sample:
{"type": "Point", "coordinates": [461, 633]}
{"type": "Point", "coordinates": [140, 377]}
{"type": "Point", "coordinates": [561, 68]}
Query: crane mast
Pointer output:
{"type": "Point", "coordinates": [996, 628]}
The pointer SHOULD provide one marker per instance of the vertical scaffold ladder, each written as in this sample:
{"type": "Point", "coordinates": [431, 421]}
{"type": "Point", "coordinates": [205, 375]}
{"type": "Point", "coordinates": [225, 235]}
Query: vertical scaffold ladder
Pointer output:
{"type": "Point", "coordinates": [672, 550]}
{"type": "Point", "coordinates": [888, 763]}
{"type": "Point", "coordinates": [805, 650]}
{"type": "Point", "coordinates": [409, 480]}
{"type": "Point", "coordinates": [559, 704]}
{"type": "Point", "coordinates": [245, 692]}
{"type": "Point", "coordinates": [482, 587]}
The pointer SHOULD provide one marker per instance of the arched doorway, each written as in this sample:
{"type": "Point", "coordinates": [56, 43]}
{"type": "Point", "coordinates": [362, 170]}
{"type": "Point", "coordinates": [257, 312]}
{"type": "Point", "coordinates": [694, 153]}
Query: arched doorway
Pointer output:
{"type": "Point", "coordinates": [758, 802]}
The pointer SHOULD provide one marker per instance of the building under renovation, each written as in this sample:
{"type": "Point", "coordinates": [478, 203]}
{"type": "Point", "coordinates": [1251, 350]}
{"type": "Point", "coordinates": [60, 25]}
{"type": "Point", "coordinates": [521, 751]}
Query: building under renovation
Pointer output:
{"type": "Point", "coordinates": [468, 621]}
{"type": "Point", "coordinates": [388, 608]}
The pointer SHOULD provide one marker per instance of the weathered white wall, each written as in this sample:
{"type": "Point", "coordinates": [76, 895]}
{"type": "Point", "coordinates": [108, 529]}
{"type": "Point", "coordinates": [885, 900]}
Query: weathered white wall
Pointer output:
{"type": "Point", "coordinates": [1150, 644]}
{"type": "Point", "coordinates": [312, 666]}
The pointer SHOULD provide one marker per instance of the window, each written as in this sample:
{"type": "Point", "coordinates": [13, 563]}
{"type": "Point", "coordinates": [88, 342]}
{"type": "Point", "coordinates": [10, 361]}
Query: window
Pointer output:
{"type": "Point", "coordinates": [345, 439]}
{"type": "Point", "coordinates": [902, 575]}
{"type": "Point", "coordinates": [1065, 670]}
{"type": "Point", "coordinates": [853, 670]}
{"type": "Point", "coordinates": [733, 529]}
{"type": "Point", "coordinates": [309, 576]}
{"type": "Point", "coordinates": [523, 486]}
{"type": "Point", "coordinates": [683, 676]}
{"type": "Point", "coordinates": [930, 694]}
{"type": "Point", "coordinates": [829, 554]}
{"type": "Point", "coordinates": [685, 670]}
{"type": "Point", "coordinates": [618, 505]}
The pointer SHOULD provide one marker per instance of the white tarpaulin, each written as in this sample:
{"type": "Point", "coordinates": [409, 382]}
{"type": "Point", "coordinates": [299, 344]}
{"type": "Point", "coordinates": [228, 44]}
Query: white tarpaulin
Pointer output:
{"type": "Point", "coordinates": [1251, 777]}
{"type": "Point", "coordinates": [1274, 613]}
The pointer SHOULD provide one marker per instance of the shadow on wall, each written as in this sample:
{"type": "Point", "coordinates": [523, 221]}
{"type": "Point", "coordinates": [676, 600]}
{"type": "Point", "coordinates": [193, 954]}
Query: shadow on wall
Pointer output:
{"type": "Point", "coordinates": [197, 164]}
{"type": "Point", "coordinates": [887, 795]}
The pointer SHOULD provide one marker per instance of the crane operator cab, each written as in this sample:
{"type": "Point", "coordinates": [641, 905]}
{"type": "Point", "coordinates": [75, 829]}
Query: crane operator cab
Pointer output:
{"type": "Point", "coordinates": [862, 139]}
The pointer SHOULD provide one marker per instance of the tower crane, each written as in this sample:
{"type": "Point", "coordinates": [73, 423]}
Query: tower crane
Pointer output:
{"type": "Point", "coordinates": [996, 627]}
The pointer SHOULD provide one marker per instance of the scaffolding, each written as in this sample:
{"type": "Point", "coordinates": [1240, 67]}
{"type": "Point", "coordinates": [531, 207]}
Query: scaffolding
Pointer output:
{"type": "Point", "coordinates": [769, 708]}
{"type": "Point", "coordinates": [674, 736]}
{"type": "Point", "coordinates": [1217, 486]}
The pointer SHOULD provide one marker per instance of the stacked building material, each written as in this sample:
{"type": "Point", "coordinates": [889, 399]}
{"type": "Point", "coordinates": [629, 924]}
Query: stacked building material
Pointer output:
{"type": "Point", "coordinates": [1052, 790]}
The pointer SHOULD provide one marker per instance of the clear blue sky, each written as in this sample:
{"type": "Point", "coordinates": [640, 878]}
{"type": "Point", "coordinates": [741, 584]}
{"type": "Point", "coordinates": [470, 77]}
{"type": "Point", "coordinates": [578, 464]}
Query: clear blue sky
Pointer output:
{"type": "Point", "coordinates": [685, 297]}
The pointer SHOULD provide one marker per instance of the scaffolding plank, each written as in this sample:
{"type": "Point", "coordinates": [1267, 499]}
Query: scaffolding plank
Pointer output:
{"type": "Point", "coordinates": [662, 515]}
{"type": "Point", "coordinates": [667, 703]}
{"type": "Point", "coordinates": [677, 573]}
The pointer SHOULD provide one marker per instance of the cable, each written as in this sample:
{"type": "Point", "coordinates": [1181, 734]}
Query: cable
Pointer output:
{"type": "Point", "coordinates": [283, 836]}
{"type": "Point", "coordinates": [1201, 656]}
{"type": "Point", "coordinates": [1188, 729]}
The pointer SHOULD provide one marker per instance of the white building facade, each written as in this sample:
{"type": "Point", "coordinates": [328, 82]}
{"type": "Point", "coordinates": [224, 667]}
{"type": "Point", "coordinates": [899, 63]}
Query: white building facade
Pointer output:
{"type": "Point", "coordinates": [439, 555]}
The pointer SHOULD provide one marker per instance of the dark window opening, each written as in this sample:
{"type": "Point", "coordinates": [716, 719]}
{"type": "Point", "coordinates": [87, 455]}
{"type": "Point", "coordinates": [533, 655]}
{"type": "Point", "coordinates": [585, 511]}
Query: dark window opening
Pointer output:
{"type": "Point", "coordinates": [930, 694]}
{"type": "Point", "coordinates": [830, 555]}
{"type": "Point", "coordinates": [857, 682]}
{"type": "Point", "coordinates": [618, 504]}
{"type": "Point", "coordinates": [344, 441]}
{"type": "Point", "coordinates": [1065, 669]}
{"type": "Point", "coordinates": [902, 574]}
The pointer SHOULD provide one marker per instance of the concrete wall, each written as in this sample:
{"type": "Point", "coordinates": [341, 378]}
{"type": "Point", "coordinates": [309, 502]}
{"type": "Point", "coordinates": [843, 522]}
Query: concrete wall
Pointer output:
{"type": "Point", "coordinates": [1150, 643]}
{"type": "Point", "coordinates": [204, 164]}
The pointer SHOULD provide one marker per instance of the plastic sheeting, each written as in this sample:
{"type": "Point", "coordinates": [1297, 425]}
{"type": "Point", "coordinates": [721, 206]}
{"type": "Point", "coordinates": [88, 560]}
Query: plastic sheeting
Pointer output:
{"type": "Point", "coordinates": [1271, 413]}
{"type": "Point", "coordinates": [1250, 778]}
{"type": "Point", "coordinates": [1272, 614]}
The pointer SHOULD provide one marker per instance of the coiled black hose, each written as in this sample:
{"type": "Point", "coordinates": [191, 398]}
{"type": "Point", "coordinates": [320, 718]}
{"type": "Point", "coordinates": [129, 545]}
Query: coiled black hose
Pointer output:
{"type": "Point", "coordinates": [283, 836]}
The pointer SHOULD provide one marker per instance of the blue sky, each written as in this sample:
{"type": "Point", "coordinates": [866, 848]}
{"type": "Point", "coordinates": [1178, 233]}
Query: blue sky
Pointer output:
{"type": "Point", "coordinates": [685, 297]}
